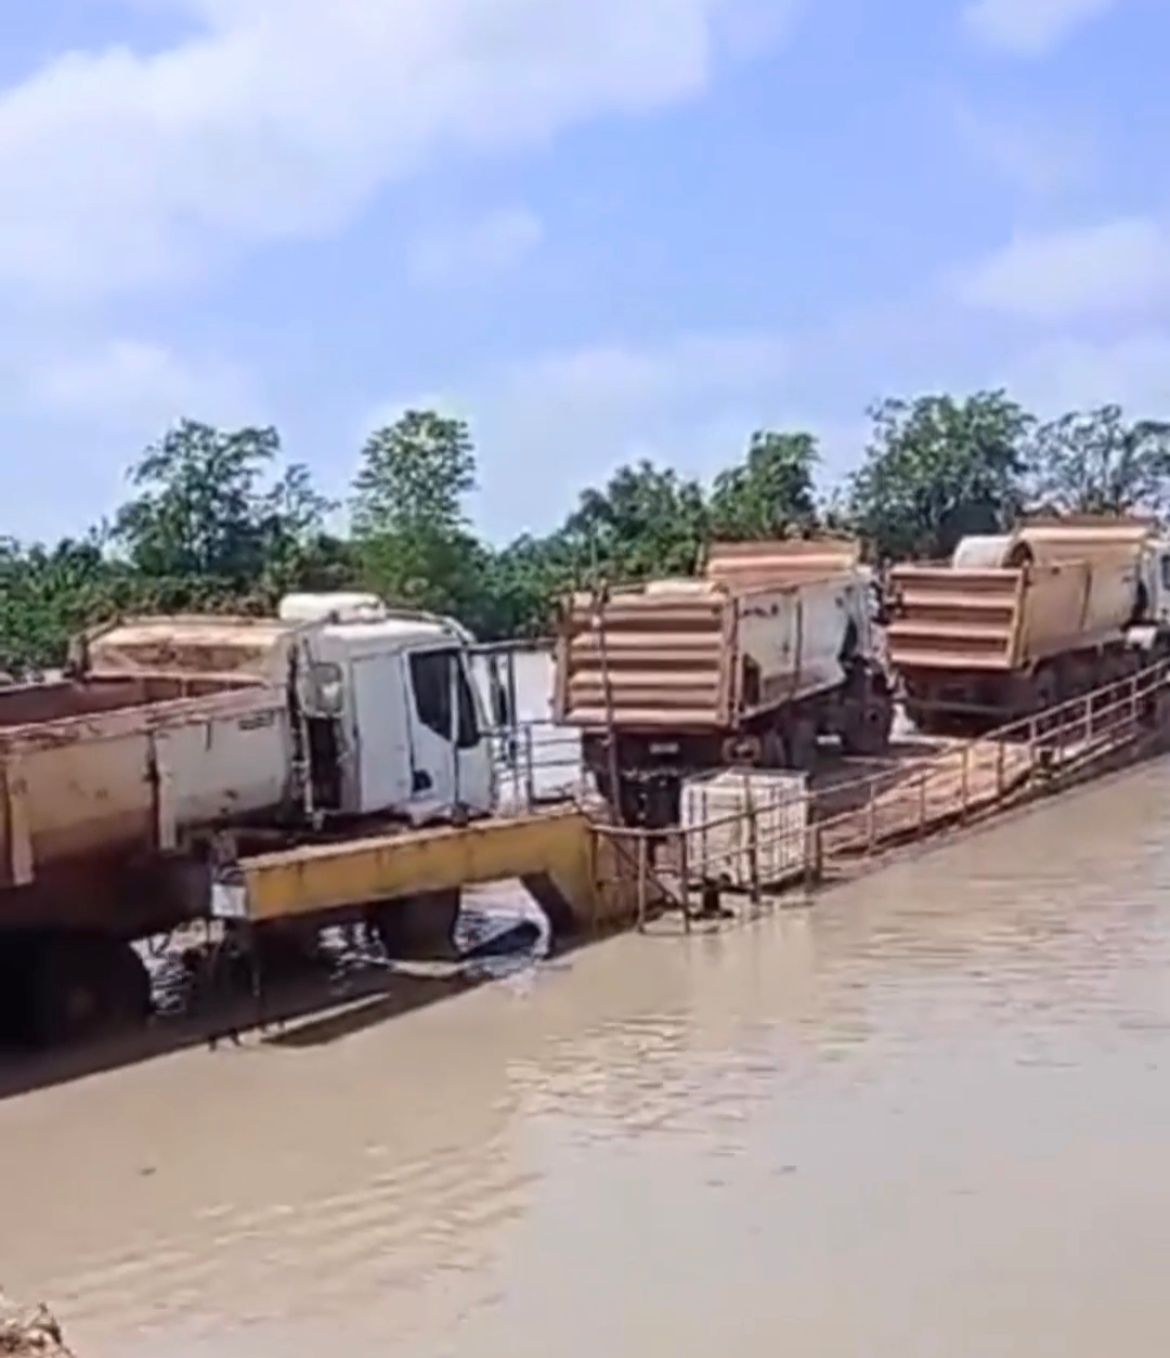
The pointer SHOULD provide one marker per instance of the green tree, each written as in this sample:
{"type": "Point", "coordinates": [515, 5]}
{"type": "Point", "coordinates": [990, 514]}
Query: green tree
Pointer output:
{"type": "Point", "coordinates": [1096, 462]}
{"type": "Point", "coordinates": [206, 506]}
{"type": "Point", "coordinates": [938, 469]}
{"type": "Point", "coordinates": [523, 584]}
{"type": "Point", "coordinates": [770, 494]}
{"type": "Point", "coordinates": [409, 521]}
{"type": "Point", "coordinates": [45, 594]}
{"type": "Point", "coordinates": [646, 522]}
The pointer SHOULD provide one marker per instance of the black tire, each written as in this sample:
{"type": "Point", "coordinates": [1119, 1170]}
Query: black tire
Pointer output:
{"type": "Point", "coordinates": [83, 985]}
{"type": "Point", "coordinates": [1045, 689]}
{"type": "Point", "coordinates": [802, 745]}
{"type": "Point", "coordinates": [919, 717]}
{"type": "Point", "coordinates": [774, 750]}
{"type": "Point", "coordinates": [867, 725]}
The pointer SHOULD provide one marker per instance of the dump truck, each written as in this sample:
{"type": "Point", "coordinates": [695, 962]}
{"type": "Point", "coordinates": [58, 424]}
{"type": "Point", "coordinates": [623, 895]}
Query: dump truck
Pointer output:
{"type": "Point", "coordinates": [1014, 624]}
{"type": "Point", "coordinates": [172, 745]}
{"type": "Point", "coordinates": [773, 647]}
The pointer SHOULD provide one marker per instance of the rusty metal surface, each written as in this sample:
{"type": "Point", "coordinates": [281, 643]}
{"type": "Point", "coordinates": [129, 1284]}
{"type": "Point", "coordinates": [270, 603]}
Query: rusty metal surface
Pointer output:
{"type": "Point", "coordinates": [560, 847]}
{"type": "Point", "coordinates": [955, 619]}
{"type": "Point", "coordinates": [134, 716]}
{"type": "Point", "coordinates": [1004, 619]}
{"type": "Point", "coordinates": [746, 565]}
{"type": "Point", "coordinates": [658, 661]}
{"type": "Point", "coordinates": [678, 655]}
{"type": "Point", "coordinates": [1071, 604]}
{"type": "Point", "coordinates": [125, 780]}
{"type": "Point", "coordinates": [1084, 538]}
{"type": "Point", "coordinates": [190, 645]}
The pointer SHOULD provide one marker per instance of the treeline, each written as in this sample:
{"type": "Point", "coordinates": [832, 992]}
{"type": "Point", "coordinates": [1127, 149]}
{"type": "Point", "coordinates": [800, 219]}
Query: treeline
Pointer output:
{"type": "Point", "coordinates": [217, 522]}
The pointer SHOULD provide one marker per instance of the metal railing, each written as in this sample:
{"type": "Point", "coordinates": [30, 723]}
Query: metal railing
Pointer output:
{"type": "Point", "coordinates": [537, 764]}
{"type": "Point", "coordinates": [846, 826]}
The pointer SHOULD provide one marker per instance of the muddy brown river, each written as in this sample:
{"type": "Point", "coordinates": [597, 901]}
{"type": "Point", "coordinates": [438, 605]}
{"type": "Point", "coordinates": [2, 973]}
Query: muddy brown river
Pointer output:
{"type": "Point", "coordinates": [929, 1116]}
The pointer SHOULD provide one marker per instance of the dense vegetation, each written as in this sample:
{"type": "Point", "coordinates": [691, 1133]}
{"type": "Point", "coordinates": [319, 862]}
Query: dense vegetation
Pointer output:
{"type": "Point", "coordinates": [216, 522]}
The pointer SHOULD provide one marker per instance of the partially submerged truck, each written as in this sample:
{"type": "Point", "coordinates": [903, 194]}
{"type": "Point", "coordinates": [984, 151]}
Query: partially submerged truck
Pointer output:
{"type": "Point", "coordinates": [173, 744]}
{"type": "Point", "coordinates": [775, 646]}
{"type": "Point", "coordinates": [1016, 623]}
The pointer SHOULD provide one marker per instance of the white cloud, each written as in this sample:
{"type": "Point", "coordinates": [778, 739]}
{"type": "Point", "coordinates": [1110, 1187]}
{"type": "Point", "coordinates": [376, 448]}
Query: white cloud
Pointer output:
{"type": "Point", "coordinates": [1079, 374]}
{"type": "Point", "coordinates": [1034, 156]}
{"type": "Point", "coordinates": [1031, 27]}
{"type": "Point", "coordinates": [1117, 266]}
{"type": "Point", "coordinates": [575, 392]}
{"type": "Point", "coordinates": [128, 383]}
{"type": "Point", "coordinates": [494, 244]}
{"type": "Point", "coordinates": [688, 367]}
{"type": "Point", "coordinates": [282, 117]}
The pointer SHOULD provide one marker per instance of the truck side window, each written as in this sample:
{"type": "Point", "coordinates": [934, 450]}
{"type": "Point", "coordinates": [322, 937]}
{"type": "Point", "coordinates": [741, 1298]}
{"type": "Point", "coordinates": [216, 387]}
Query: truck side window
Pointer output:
{"type": "Point", "coordinates": [468, 723]}
{"type": "Point", "coordinates": [1166, 572]}
{"type": "Point", "coordinates": [430, 676]}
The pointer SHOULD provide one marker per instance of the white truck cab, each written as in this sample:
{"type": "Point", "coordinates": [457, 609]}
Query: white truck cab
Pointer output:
{"type": "Point", "coordinates": [382, 717]}
{"type": "Point", "coordinates": [392, 713]}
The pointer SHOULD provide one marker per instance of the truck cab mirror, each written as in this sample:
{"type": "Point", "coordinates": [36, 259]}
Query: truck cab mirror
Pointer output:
{"type": "Point", "coordinates": [328, 690]}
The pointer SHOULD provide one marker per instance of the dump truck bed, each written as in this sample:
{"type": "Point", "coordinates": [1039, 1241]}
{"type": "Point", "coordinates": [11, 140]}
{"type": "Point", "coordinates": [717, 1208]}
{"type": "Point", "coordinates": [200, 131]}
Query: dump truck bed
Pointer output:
{"type": "Point", "coordinates": [651, 657]}
{"type": "Point", "coordinates": [108, 767]}
{"type": "Point", "coordinates": [1005, 619]}
{"type": "Point", "coordinates": [701, 655]}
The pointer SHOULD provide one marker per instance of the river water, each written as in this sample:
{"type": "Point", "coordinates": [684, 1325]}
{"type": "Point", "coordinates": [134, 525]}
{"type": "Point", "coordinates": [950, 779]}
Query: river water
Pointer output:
{"type": "Point", "coordinates": [928, 1116]}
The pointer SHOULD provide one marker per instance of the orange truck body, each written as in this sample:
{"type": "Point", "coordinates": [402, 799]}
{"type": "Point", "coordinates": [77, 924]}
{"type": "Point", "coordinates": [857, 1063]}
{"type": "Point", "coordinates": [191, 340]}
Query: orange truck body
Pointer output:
{"type": "Point", "coordinates": [1051, 594]}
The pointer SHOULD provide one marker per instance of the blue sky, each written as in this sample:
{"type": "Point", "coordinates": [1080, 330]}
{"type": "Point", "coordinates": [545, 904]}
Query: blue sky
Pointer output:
{"type": "Point", "coordinates": [596, 229]}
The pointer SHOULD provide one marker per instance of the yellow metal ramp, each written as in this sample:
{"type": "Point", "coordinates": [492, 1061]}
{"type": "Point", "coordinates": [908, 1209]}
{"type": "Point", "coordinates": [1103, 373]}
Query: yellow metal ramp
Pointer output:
{"type": "Point", "coordinates": [579, 881]}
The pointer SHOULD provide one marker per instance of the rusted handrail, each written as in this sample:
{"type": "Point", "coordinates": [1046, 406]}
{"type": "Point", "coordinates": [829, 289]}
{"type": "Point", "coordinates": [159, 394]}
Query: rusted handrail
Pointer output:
{"type": "Point", "coordinates": [941, 785]}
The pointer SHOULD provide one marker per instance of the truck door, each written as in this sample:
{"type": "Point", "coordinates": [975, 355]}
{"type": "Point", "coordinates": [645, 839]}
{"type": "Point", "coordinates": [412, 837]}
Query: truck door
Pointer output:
{"type": "Point", "coordinates": [451, 755]}
{"type": "Point", "coordinates": [382, 724]}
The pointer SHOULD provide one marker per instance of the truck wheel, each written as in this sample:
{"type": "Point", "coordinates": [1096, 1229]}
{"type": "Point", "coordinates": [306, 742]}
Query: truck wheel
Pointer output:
{"type": "Point", "coordinates": [920, 717]}
{"type": "Point", "coordinates": [867, 725]}
{"type": "Point", "coordinates": [84, 985]}
{"type": "Point", "coordinates": [1045, 689]}
{"type": "Point", "coordinates": [802, 745]}
{"type": "Point", "coordinates": [774, 751]}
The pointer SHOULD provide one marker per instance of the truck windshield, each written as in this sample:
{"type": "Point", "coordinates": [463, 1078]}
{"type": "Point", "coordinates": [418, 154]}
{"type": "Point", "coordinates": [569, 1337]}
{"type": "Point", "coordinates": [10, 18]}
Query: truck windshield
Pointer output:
{"type": "Point", "coordinates": [431, 676]}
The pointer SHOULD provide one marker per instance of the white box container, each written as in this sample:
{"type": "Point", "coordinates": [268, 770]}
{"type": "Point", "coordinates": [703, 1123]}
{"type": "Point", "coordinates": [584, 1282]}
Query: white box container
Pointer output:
{"type": "Point", "coordinates": [717, 827]}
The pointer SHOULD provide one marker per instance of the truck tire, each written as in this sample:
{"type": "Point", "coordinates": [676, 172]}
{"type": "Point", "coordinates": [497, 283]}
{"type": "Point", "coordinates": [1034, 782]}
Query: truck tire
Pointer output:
{"type": "Point", "coordinates": [1045, 689]}
{"type": "Point", "coordinates": [83, 985]}
{"type": "Point", "coordinates": [918, 715]}
{"type": "Point", "coordinates": [773, 750]}
{"type": "Point", "coordinates": [867, 724]}
{"type": "Point", "coordinates": [802, 744]}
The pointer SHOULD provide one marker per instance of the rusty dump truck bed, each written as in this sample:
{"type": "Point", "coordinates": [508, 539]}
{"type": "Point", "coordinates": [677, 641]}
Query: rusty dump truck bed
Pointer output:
{"type": "Point", "coordinates": [660, 652]}
{"type": "Point", "coordinates": [667, 655]}
{"type": "Point", "coordinates": [1069, 587]}
{"type": "Point", "coordinates": [101, 768]}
